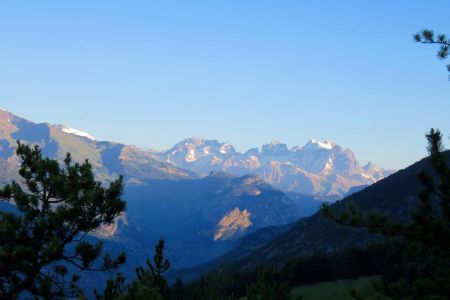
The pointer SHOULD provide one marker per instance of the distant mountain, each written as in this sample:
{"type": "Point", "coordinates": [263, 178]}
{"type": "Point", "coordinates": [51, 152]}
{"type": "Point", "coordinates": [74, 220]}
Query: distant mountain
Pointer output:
{"type": "Point", "coordinates": [396, 196]}
{"type": "Point", "coordinates": [202, 218]}
{"type": "Point", "coordinates": [199, 219]}
{"type": "Point", "coordinates": [355, 189]}
{"type": "Point", "coordinates": [108, 159]}
{"type": "Point", "coordinates": [319, 168]}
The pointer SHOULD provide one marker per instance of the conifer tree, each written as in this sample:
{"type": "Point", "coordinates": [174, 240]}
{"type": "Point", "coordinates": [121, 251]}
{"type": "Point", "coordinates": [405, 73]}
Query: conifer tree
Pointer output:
{"type": "Point", "coordinates": [57, 206]}
{"type": "Point", "coordinates": [177, 290]}
{"type": "Point", "coordinates": [264, 288]}
{"type": "Point", "coordinates": [149, 284]}
{"type": "Point", "coordinates": [158, 268]}
{"type": "Point", "coordinates": [424, 269]}
{"type": "Point", "coordinates": [427, 36]}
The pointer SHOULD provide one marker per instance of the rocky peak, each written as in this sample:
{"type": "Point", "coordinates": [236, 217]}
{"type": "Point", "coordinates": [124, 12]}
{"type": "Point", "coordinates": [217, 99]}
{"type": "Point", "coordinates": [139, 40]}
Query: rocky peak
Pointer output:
{"type": "Point", "coordinates": [250, 179]}
{"type": "Point", "coordinates": [6, 121]}
{"type": "Point", "coordinates": [369, 167]}
{"type": "Point", "coordinates": [274, 148]}
{"type": "Point", "coordinates": [201, 147]}
{"type": "Point", "coordinates": [192, 141]}
{"type": "Point", "coordinates": [315, 144]}
{"type": "Point", "coordinates": [220, 174]}
{"type": "Point", "coordinates": [70, 130]}
{"type": "Point", "coordinates": [226, 148]}
{"type": "Point", "coordinates": [251, 152]}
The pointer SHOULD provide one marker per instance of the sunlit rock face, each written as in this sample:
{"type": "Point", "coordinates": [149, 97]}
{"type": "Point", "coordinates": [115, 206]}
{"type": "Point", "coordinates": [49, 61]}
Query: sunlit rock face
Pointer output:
{"type": "Point", "coordinates": [233, 224]}
{"type": "Point", "coordinates": [202, 218]}
{"type": "Point", "coordinates": [108, 231]}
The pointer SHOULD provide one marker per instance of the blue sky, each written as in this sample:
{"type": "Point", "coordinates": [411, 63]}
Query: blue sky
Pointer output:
{"type": "Point", "coordinates": [151, 73]}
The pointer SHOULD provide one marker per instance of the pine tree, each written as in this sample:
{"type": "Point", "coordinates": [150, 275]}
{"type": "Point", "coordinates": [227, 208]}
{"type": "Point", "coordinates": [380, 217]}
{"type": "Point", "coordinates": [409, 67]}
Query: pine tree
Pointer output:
{"type": "Point", "coordinates": [264, 288]}
{"type": "Point", "coordinates": [427, 36]}
{"type": "Point", "coordinates": [149, 284]}
{"type": "Point", "coordinates": [177, 290]}
{"type": "Point", "coordinates": [57, 207]}
{"type": "Point", "coordinates": [424, 268]}
{"type": "Point", "coordinates": [156, 269]}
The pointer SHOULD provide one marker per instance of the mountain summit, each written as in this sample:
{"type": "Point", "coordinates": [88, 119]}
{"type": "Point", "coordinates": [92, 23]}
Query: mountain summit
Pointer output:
{"type": "Point", "coordinates": [319, 167]}
{"type": "Point", "coordinates": [107, 158]}
{"type": "Point", "coordinates": [200, 218]}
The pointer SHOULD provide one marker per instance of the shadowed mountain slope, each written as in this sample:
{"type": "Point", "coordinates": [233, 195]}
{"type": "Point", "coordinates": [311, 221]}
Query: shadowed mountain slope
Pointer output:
{"type": "Point", "coordinates": [202, 218]}
{"type": "Point", "coordinates": [395, 196]}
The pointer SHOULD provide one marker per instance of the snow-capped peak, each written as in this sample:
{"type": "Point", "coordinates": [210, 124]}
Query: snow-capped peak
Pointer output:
{"type": "Point", "coordinates": [70, 130]}
{"type": "Point", "coordinates": [225, 148]}
{"type": "Point", "coordinates": [324, 145]}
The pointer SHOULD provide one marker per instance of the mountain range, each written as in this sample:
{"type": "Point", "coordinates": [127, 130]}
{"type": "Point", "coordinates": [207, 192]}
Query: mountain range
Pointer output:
{"type": "Point", "coordinates": [201, 195]}
{"type": "Point", "coordinates": [108, 159]}
{"type": "Point", "coordinates": [318, 168]}
{"type": "Point", "coordinates": [217, 207]}
{"type": "Point", "coordinates": [395, 196]}
{"type": "Point", "coordinates": [199, 216]}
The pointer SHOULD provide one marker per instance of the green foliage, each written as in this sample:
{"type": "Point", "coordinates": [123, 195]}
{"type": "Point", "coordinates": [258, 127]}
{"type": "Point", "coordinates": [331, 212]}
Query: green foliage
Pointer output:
{"type": "Point", "coordinates": [158, 268]}
{"type": "Point", "coordinates": [114, 288]}
{"type": "Point", "coordinates": [359, 288]}
{"type": "Point", "coordinates": [177, 290]}
{"type": "Point", "coordinates": [423, 271]}
{"type": "Point", "coordinates": [265, 289]}
{"type": "Point", "coordinates": [219, 285]}
{"type": "Point", "coordinates": [275, 282]}
{"type": "Point", "coordinates": [58, 206]}
{"type": "Point", "coordinates": [427, 36]}
{"type": "Point", "coordinates": [143, 288]}
{"type": "Point", "coordinates": [149, 283]}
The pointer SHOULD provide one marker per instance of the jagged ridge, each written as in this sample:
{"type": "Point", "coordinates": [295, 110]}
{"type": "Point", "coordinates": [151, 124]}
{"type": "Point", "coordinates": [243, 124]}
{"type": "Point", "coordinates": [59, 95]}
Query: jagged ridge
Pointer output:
{"type": "Point", "coordinates": [321, 168]}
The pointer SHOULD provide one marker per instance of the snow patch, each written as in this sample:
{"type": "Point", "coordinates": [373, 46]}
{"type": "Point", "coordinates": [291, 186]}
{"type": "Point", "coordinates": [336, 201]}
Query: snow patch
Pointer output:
{"type": "Point", "coordinates": [225, 148]}
{"type": "Point", "coordinates": [190, 156]}
{"type": "Point", "coordinates": [69, 130]}
{"type": "Point", "coordinates": [366, 176]}
{"type": "Point", "coordinates": [324, 145]}
{"type": "Point", "coordinates": [328, 166]}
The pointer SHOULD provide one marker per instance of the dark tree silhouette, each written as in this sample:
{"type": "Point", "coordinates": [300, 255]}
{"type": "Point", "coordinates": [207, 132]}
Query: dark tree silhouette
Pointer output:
{"type": "Point", "coordinates": [265, 289]}
{"type": "Point", "coordinates": [57, 206]}
{"type": "Point", "coordinates": [424, 268]}
{"type": "Point", "coordinates": [158, 268]}
{"type": "Point", "coordinates": [149, 284]}
{"type": "Point", "coordinates": [427, 36]}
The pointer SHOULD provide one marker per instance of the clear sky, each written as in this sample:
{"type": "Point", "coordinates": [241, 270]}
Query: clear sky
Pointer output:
{"type": "Point", "coordinates": [151, 73]}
